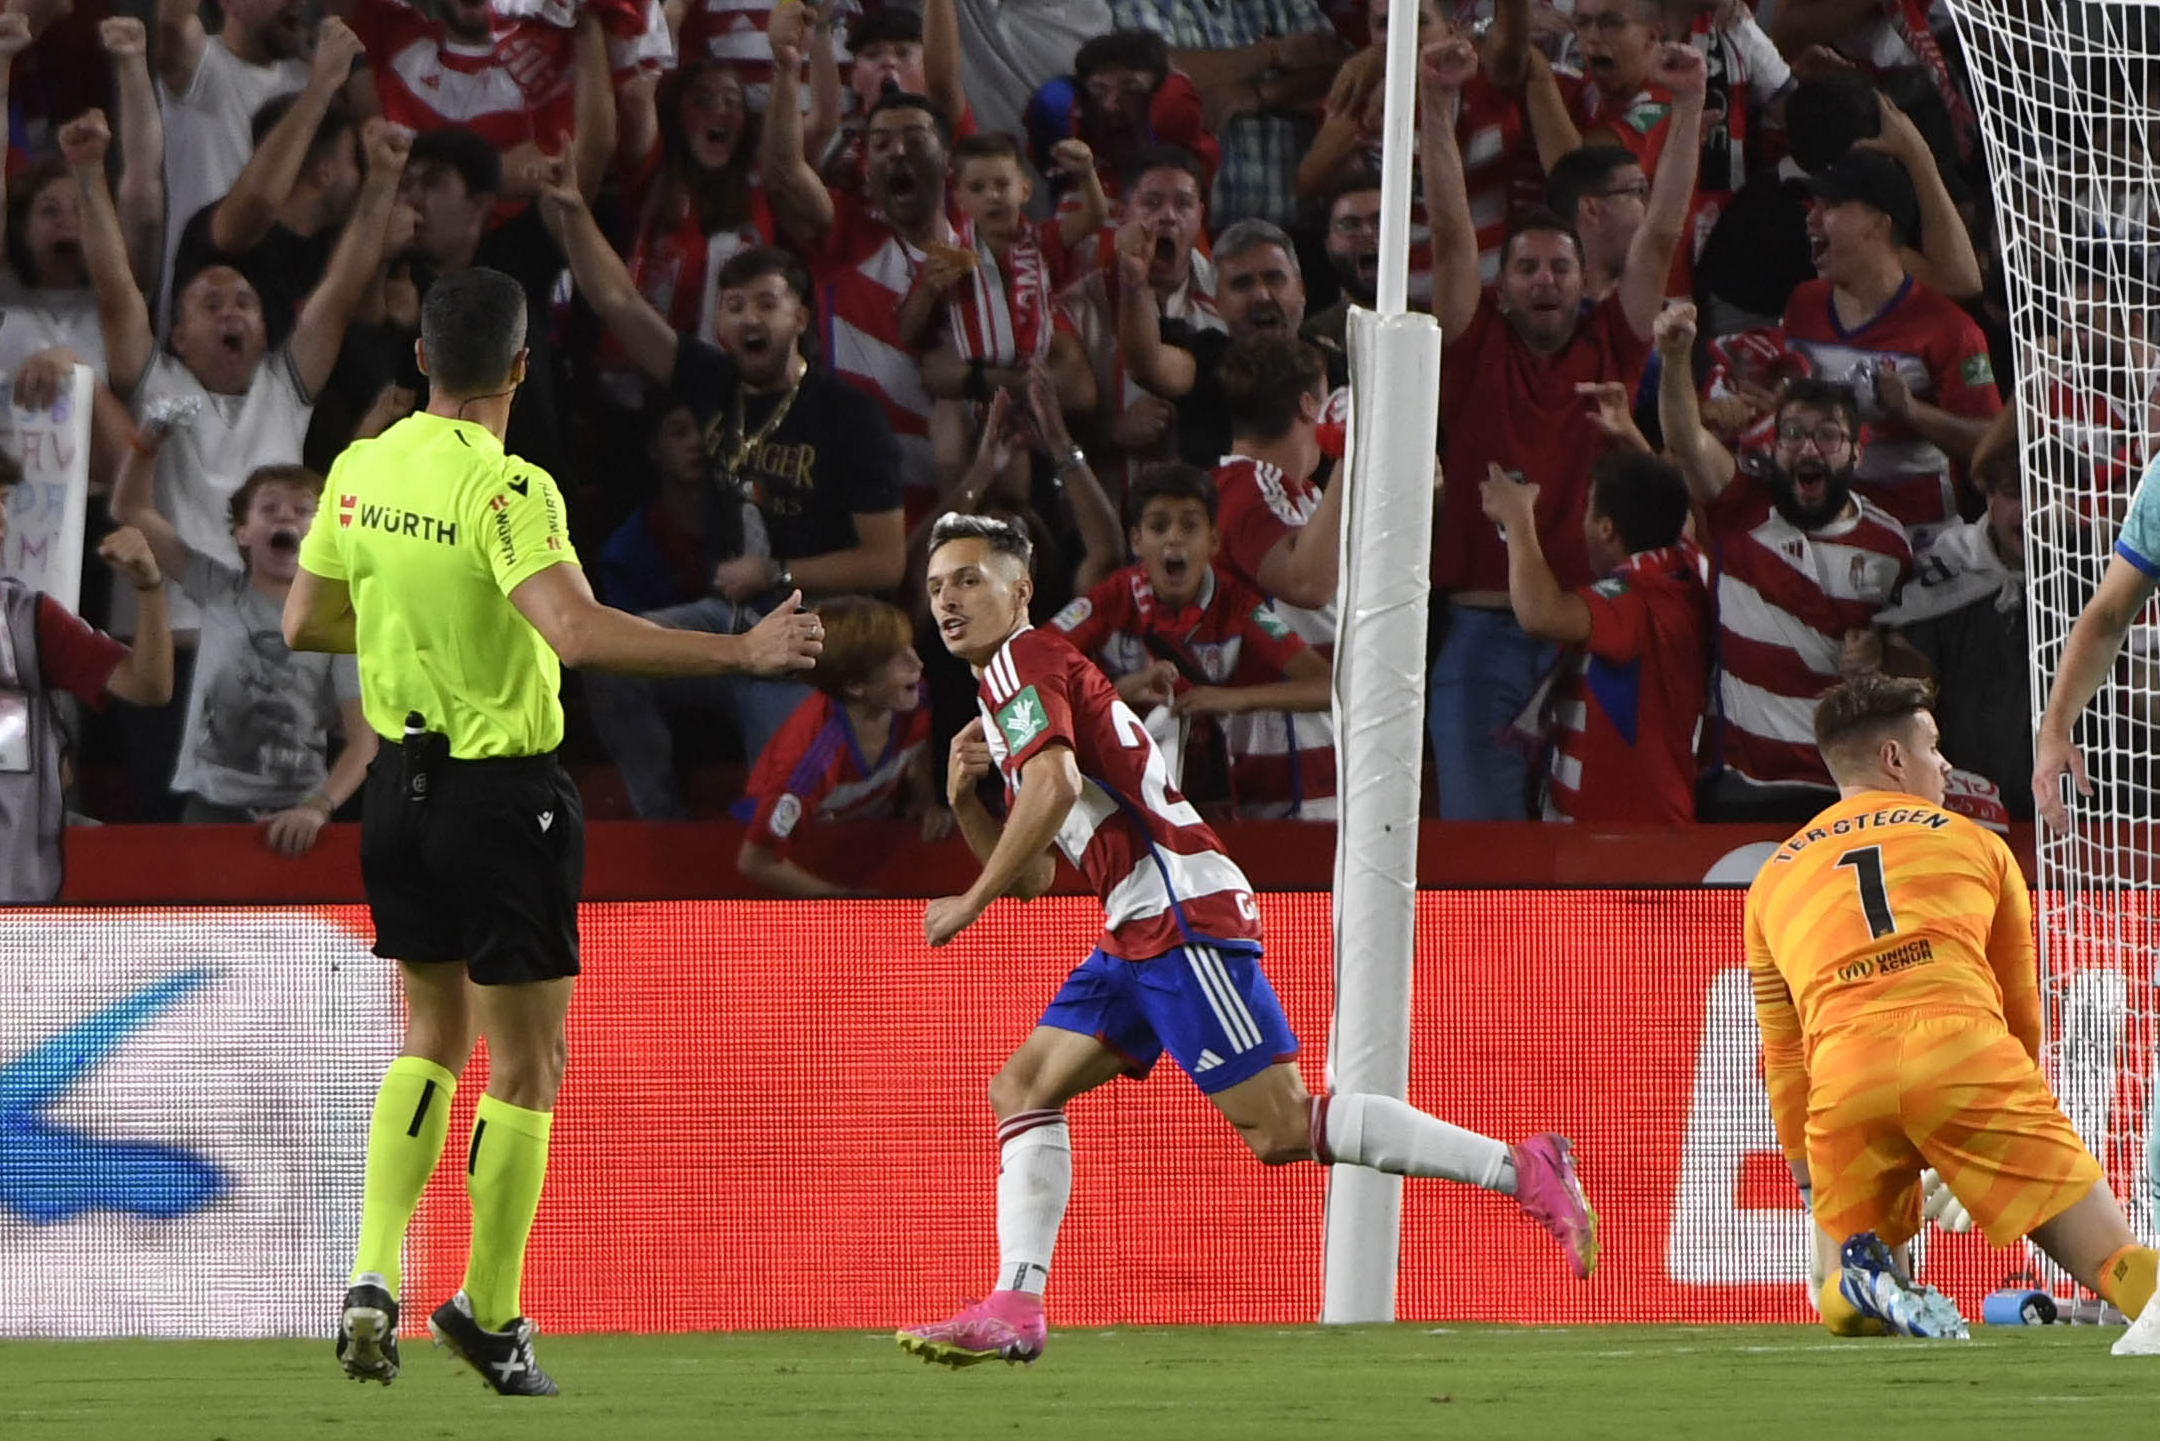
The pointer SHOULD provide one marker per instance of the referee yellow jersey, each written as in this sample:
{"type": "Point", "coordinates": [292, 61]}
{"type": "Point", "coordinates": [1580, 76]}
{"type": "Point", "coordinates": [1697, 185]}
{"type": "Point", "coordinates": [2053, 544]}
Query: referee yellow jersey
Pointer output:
{"type": "Point", "coordinates": [431, 526]}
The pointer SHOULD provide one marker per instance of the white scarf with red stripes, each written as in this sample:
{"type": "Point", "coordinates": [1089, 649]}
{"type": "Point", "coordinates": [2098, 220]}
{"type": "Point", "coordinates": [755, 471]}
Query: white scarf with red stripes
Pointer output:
{"type": "Point", "coordinates": [1000, 313]}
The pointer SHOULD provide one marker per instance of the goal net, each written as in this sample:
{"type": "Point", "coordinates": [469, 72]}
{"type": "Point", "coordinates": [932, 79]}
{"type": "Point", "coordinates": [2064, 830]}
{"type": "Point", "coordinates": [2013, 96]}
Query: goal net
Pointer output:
{"type": "Point", "coordinates": [2066, 92]}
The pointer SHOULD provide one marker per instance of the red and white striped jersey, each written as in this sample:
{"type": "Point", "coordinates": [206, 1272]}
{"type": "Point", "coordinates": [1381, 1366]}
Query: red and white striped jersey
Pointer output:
{"type": "Point", "coordinates": [1500, 170]}
{"type": "Point", "coordinates": [732, 32]}
{"type": "Point", "coordinates": [1162, 874]}
{"type": "Point", "coordinates": [672, 261]}
{"type": "Point", "coordinates": [1229, 636]}
{"type": "Point", "coordinates": [1256, 505]}
{"type": "Point", "coordinates": [514, 90]}
{"type": "Point", "coordinates": [1943, 358]}
{"type": "Point", "coordinates": [1088, 308]}
{"type": "Point", "coordinates": [863, 270]}
{"type": "Point", "coordinates": [1785, 599]}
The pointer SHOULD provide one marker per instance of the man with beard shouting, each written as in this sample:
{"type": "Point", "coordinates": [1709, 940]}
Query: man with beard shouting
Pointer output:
{"type": "Point", "coordinates": [1519, 356]}
{"type": "Point", "coordinates": [1804, 566]}
{"type": "Point", "coordinates": [865, 257]}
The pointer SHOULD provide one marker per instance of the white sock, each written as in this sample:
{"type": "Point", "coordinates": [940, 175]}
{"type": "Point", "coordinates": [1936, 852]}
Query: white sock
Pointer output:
{"type": "Point", "coordinates": [1034, 1178]}
{"type": "Point", "coordinates": [1389, 1135]}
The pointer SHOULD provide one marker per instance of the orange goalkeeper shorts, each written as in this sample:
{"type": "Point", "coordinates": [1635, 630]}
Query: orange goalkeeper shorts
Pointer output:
{"type": "Point", "coordinates": [1891, 1095]}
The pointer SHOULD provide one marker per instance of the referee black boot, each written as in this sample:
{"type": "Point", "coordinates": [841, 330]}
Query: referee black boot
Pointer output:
{"type": "Point", "coordinates": [367, 1334]}
{"type": "Point", "coordinates": [503, 1358]}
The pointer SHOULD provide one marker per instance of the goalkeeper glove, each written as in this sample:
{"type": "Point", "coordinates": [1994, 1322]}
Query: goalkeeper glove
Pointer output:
{"type": "Point", "coordinates": [1938, 1203]}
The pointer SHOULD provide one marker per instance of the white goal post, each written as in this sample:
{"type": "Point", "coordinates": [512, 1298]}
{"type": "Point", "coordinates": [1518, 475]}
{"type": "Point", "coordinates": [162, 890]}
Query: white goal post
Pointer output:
{"type": "Point", "coordinates": [2066, 93]}
{"type": "Point", "coordinates": [1379, 712]}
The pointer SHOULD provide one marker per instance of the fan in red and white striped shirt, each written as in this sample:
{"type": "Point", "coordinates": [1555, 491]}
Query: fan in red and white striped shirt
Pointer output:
{"type": "Point", "coordinates": [1804, 566]}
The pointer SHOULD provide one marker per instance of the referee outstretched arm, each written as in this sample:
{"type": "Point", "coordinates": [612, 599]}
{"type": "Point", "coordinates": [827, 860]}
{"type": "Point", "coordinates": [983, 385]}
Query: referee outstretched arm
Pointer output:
{"type": "Point", "coordinates": [585, 634]}
{"type": "Point", "coordinates": [445, 565]}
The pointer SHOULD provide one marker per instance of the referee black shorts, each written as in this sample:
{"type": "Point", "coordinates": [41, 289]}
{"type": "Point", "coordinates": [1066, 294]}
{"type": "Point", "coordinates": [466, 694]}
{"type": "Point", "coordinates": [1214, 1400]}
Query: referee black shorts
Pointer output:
{"type": "Point", "coordinates": [486, 870]}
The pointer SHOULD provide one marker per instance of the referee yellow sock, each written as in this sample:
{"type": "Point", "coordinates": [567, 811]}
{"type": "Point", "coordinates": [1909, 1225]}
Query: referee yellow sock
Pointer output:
{"type": "Point", "coordinates": [405, 1139]}
{"type": "Point", "coordinates": [503, 1172]}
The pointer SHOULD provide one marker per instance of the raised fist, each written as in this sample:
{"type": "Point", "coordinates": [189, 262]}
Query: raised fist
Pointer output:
{"type": "Point", "coordinates": [1674, 330]}
{"type": "Point", "coordinates": [1447, 64]}
{"type": "Point", "coordinates": [789, 31]}
{"type": "Point", "coordinates": [388, 147]}
{"type": "Point", "coordinates": [1680, 69]}
{"type": "Point", "coordinates": [1074, 158]}
{"type": "Point", "coordinates": [127, 550]}
{"type": "Point", "coordinates": [336, 48]}
{"type": "Point", "coordinates": [84, 140]}
{"type": "Point", "coordinates": [121, 35]}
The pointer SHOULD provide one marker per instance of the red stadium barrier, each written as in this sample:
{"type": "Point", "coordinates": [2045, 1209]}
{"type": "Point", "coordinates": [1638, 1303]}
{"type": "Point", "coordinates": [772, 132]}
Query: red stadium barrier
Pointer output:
{"type": "Point", "coordinates": [775, 1117]}
{"type": "Point", "coordinates": [626, 860]}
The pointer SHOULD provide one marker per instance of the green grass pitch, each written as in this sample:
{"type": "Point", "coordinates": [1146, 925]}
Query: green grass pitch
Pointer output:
{"type": "Point", "coordinates": [1489, 1383]}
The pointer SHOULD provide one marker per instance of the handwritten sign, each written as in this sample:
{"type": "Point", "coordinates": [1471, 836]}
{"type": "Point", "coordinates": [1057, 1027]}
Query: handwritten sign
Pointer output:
{"type": "Point", "coordinates": [44, 544]}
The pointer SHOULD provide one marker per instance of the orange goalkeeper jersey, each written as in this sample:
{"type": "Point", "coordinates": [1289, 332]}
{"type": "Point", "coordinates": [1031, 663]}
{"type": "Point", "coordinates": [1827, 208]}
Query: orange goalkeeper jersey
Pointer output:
{"type": "Point", "coordinates": [1883, 904]}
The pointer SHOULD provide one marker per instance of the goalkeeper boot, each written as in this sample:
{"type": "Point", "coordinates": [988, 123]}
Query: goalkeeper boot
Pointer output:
{"type": "Point", "coordinates": [1873, 1286]}
{"type": "Point", "coordinates": [367, 1333]}
{"type": "Point", "coordinates": [1008, 1326]}
{"type": "Point", "coordinates": [1550, 1194]}
{"type": "Point", "coordinates": [503, 1358]}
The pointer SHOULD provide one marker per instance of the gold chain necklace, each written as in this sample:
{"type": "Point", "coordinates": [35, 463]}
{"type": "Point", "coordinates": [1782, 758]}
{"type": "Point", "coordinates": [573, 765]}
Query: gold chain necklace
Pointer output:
{"type": "Point", "coordinates": [740, 444]}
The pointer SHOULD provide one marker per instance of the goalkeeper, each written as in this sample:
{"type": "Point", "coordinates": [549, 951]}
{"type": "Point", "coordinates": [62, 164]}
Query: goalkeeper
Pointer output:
{"type": "Point", "coordinates": [1890, 947]}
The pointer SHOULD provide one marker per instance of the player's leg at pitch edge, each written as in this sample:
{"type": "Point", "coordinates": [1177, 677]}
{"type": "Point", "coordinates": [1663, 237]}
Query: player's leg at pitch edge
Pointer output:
{"type": "Point", "coordinates": [1007, 1326]}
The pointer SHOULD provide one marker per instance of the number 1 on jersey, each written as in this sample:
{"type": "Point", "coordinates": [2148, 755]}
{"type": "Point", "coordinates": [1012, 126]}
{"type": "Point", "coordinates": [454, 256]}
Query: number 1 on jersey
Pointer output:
{"type": "Point", "coordinates": [1866, 864]}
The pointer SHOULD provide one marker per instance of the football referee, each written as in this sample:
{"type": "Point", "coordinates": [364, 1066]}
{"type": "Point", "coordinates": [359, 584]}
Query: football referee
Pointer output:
{"type": "Point", "coordinates": [444, 564]}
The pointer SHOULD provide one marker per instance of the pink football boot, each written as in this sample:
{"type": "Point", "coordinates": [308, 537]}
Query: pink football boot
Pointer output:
{"type": "Point", "coordinates": [1006, 1327]}
{"type": "Point", "coordinates": [1549, 1193]}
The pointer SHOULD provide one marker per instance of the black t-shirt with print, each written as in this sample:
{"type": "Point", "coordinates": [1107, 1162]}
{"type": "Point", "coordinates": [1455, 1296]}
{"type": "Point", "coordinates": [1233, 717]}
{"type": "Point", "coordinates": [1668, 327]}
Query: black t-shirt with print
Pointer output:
{"type": "Point", "coordinates": [831, 458]}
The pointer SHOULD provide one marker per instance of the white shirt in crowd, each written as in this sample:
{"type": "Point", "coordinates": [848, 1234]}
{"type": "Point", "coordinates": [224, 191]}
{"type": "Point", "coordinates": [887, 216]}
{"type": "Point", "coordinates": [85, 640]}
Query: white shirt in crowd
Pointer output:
{"type": "Point", "coordinates": [209, 136]}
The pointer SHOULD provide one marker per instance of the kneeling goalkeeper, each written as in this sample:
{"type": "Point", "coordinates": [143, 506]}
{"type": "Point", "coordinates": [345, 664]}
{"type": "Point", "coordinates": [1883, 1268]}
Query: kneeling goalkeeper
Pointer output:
{"type": "Point", "coordinates": [1890, 946]}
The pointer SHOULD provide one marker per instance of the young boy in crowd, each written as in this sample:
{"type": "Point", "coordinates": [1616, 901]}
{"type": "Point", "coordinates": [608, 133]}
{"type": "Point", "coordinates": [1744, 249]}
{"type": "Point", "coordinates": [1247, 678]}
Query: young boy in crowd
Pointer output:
{"type": "Point", "coordinates": [991, 295]}
{"type": "Point", "coordinates": [1175, 631]}
{"type": "Point", "coordinates": [1625, 703]}
{"type": "Point", "coordinates": [259, 715]}
{"type": "Point", "coordinates": [848, 751]}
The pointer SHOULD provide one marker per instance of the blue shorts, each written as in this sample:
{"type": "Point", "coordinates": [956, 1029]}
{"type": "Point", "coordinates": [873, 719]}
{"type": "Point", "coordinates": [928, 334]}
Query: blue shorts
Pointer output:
{"type": "Point", "coordinates": [1209, 1007]}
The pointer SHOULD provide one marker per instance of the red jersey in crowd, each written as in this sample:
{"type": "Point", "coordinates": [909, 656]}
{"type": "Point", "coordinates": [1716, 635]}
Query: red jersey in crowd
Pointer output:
{"type": "Point", "coordinates": [732, 32]}
{"type": "Point", "coordinates": [1160, 871]}
{"type": "Point", "coordinates": [1785, 599]}
{"type": "Point", "coordinates": [672, 261]}
{"type": "Point", "coordinates": [1626, 708]}
{"type": "Point", "coordinates": [1500, 170]}
{"type": "Point", "coordinates": [514, 90]}
{"type": "Point", "coordinates": [1256, 505]}
{"type": "Point", "coordinates": [813, 768]}
{"type": "Point", "coordinates": [1943, 358]}
{"type": "Point", "coordinates": [1228, 636]}
{"type": "Point", "coordinates": [1088, 308]}
{"type": "Point", "coordinates": [863, 269]}
{"type": "Point", "coordinates": [1500, 402]}
{"type": "Point", "coordinates": [74, 656]}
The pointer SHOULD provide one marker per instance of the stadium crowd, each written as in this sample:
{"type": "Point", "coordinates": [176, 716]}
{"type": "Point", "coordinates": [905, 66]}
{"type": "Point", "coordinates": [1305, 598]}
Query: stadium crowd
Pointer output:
{"type": "Point", "coordinates": [1721, 413]}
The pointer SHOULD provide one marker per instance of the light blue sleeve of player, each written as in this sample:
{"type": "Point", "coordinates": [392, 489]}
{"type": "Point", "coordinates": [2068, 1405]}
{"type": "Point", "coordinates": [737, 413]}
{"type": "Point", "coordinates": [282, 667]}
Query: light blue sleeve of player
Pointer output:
{"type": "Point", "coordinates": [2139, 542]}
